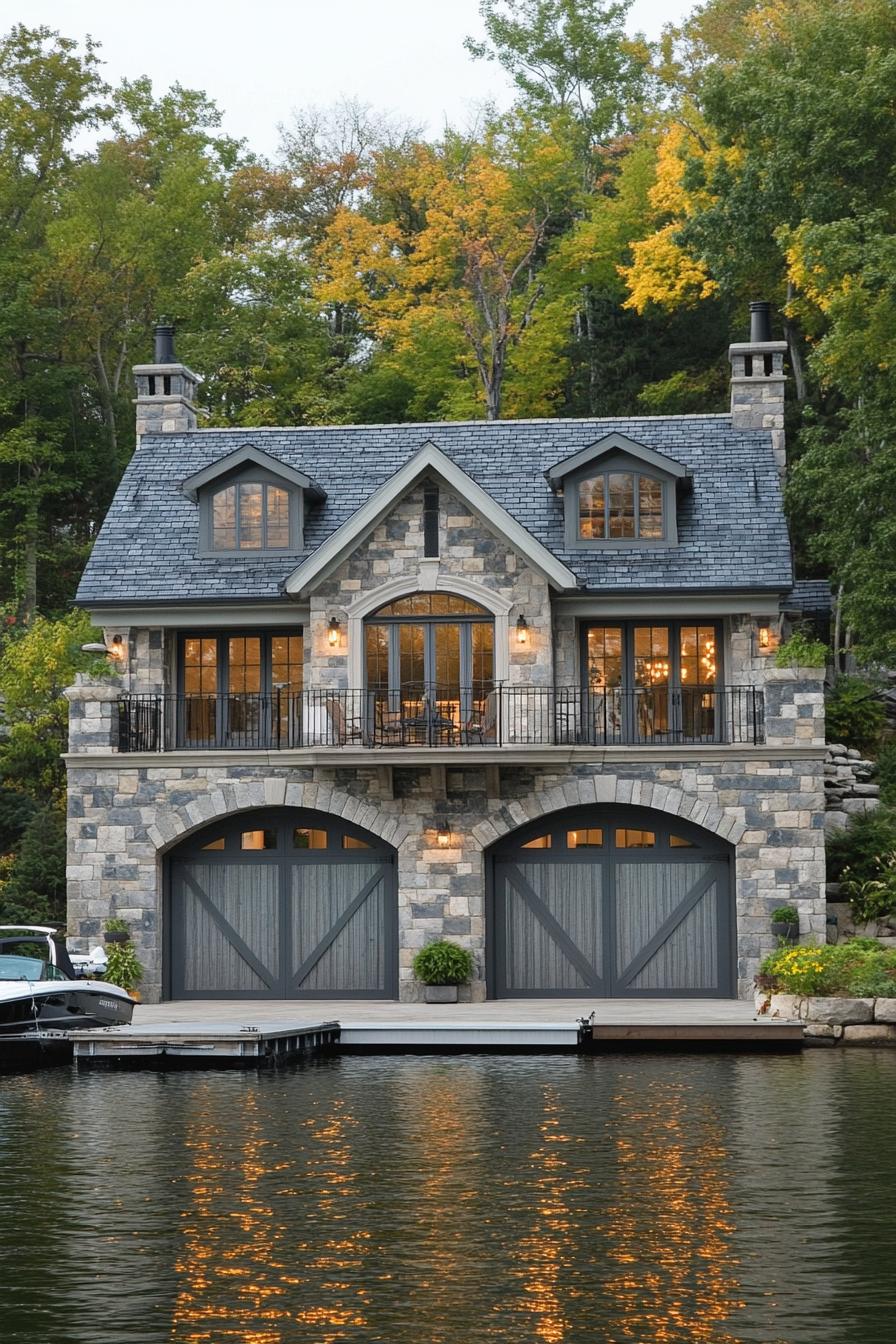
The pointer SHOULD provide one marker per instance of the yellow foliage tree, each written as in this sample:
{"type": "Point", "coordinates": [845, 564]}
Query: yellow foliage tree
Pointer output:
{"type": "Point", "coordinates": [661, 271]}
{"type": "Point", "coordinates": [456, 261]}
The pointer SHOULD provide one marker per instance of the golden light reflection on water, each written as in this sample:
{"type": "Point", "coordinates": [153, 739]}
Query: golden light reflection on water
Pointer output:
{"type": "Point", "coordinates": [670, 1222]}
{"type": "Point", "coordinates": [244, 1276]}
{"type": "Point", "coordinates": [443, 1208]}
{"type": "Point", "coordinates": [548, 1249]}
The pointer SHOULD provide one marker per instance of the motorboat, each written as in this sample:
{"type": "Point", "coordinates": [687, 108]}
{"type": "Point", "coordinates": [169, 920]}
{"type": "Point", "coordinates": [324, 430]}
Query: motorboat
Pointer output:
{"type": "Point", "coordinates": [40, 991]}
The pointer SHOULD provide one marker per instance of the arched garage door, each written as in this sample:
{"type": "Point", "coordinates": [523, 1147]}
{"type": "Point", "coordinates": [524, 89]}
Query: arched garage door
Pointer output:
{"type": "Point", "coordinates": [611, 902]}
{"type": "Point", "coordinates": [282, 904]}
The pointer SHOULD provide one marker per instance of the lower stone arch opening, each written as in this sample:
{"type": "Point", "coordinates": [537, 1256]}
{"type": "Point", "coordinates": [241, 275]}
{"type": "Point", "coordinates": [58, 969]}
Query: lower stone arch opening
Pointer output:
{"type": "Point", "coordinates": [281, 903]}
{"type": "Point", "coordinates": [610, 901]}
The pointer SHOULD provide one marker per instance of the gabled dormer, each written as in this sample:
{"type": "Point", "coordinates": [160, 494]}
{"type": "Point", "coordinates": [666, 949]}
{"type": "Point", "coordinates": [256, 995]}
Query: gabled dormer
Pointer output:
{"type": "Point", "coordinates": [251, 504]}
{"type": "Point", "coordinates": [619, 493]}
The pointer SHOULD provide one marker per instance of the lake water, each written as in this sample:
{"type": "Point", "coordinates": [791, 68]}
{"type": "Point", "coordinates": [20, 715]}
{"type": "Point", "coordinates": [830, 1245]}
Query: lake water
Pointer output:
{"type": "Point", "coordinates": [452, 1200]}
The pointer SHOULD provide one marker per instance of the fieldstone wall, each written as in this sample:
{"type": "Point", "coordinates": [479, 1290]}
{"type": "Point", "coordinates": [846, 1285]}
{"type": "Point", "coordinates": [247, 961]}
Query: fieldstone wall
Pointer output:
{"type": "Point", "coordinates": [392, 559]}
{"type": "Point", "coordinates": [126, 812]}
{"type": "Point", "coordinates": [849, 789]}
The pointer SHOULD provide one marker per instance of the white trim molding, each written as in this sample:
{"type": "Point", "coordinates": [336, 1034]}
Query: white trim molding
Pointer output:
{"type": "Point", "coordinates": [427, 460]}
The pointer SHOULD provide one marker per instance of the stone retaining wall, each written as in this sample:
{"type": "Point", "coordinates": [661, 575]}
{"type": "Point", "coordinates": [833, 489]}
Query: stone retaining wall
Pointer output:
{"type": "Point", "coordinates": [831, 1020]}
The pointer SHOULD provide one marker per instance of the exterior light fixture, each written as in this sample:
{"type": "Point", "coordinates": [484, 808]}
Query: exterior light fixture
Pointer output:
{"type": "Point", "coordinates": [765, 638]}
{"type": "Point", "coordinates": [115, 650]}
{"type": "Point", "coordinates": [333, 633]}
{"type": "Point", "coordinates": [522, 630]}
{"type": "Point", "coordinates": [443, 837]}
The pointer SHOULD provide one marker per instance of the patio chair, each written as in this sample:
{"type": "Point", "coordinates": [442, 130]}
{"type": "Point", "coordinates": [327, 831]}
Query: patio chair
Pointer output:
{"type": "Point", "coordinates": [345, 729]}
{"type": "Point", "coordinates": [480, 726]}
{"type": "Point", "coordinates": [389, 725]}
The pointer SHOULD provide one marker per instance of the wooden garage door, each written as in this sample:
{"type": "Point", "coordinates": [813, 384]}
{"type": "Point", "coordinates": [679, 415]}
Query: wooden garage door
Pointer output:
{"type": "Point", "coordinates": [285, 905]}
{"type": "Point", "coordinates": [611, 903]}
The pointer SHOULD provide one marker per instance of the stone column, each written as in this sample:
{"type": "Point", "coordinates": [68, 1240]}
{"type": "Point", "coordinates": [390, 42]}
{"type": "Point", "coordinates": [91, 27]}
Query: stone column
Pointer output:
{"type": "Point", "coordinates": [93, 714]}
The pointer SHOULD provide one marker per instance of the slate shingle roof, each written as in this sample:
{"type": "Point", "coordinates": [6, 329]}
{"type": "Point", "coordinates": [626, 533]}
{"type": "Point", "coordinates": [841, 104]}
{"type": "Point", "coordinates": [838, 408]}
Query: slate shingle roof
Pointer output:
{"type": "Point", "coordinates": [731, 528]}
{"type": "Point", "coordinates": [809, 595]}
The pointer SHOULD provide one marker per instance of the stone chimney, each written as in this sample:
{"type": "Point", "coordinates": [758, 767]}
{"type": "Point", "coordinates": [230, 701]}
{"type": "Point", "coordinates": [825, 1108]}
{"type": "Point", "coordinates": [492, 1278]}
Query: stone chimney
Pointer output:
{"type": "Point", "coordinates": [165, 389]}
{"type": "Point", "coordinates": [757, 381]}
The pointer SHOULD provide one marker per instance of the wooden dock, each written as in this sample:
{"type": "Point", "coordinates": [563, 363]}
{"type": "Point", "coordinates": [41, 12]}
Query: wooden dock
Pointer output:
{"type": "Point", "coordinates": [708, 1036]}
{"type": "Point", "coordinates": [203, 1044]}
{"type": "Point", "coordinates": [207, 1033]}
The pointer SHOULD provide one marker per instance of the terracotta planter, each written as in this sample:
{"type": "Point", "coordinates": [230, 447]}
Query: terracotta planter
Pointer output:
{"type": "Point", "coordinates": [440, 993]}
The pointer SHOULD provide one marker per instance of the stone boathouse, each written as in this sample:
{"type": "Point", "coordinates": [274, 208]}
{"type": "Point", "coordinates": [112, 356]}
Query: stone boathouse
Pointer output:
{"type": "Point", "coordinates": [509, 683]}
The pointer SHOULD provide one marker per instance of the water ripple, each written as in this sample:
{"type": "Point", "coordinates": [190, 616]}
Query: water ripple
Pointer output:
{"type": "Point", "coordinates": [495, 1200]}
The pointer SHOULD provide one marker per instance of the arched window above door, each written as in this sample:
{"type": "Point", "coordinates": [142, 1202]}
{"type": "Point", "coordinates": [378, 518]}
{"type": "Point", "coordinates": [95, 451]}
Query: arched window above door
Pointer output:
{"type": "Point", "coordinates": [430, 665]}
{"type": "Point", "coordinates": [432, 604]}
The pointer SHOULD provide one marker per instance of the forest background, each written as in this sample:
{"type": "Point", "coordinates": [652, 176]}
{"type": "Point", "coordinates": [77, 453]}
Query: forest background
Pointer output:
{"type": "Point", "coordinates": [590, 252]}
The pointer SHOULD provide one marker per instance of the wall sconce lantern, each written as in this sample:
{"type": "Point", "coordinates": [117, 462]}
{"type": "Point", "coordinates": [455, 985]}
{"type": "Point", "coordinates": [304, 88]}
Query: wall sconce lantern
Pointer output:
{"type": "Point", "coordinates": [522, 630]}
{"type": "Point", "coordinates": [443, 837]}
{"type": "Point", "coordinates": [115, 650]}
{"type": "Point", "coordinates": [767, 640]}
{"type": "Point", "coordinates": [333, 633]}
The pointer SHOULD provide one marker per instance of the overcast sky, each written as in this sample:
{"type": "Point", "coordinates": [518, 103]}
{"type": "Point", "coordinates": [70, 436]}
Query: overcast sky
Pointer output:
{"type": "Point", "coordinates": [258, 60]}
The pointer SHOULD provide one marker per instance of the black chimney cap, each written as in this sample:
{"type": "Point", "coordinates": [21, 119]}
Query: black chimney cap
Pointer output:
{"type": "Point", "coordinates": [760, 322]}
{"type": "Point", "coordinates": [164, 342]}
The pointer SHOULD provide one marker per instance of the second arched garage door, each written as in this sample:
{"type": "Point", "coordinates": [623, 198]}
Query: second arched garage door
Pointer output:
{"type": "Point", "coordinates": [611, 902]}
{"type": "Point", "coordinates": [282, 904]}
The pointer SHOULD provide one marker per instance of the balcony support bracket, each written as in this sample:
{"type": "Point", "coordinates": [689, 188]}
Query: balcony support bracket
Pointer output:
{"type": "Point", "coordinates": [493, 781]}
{"type": "Point", "coordinates": [385, 781]}
{"type": "Point", "coordinates": [439, 782]}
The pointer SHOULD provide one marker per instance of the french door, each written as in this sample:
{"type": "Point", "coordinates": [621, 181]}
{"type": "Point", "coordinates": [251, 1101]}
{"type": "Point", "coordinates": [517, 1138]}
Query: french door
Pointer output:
{"type": "Point", "coordinates": [652, 682]}
{"type": "Point", "coordinates": [239, 689]}
{"type": "Point", "coordinates": [435, 671]}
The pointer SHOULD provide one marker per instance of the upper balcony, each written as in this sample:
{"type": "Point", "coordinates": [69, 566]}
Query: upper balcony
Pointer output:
{"type": "Point", "coordinates": [499, 719]}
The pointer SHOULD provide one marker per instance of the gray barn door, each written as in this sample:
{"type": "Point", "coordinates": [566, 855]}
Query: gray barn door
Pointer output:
{"type": "Point", "coordinates": [284, 905]}
{"type": "Point", "coordinates": [620, 903]}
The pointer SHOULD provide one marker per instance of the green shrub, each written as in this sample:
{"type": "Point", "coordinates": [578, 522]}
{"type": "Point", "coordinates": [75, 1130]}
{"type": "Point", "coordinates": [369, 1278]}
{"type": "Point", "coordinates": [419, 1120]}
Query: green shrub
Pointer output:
{"type": "Point", "coordinates": [115, 925]}
{"type": "Point", "coordinates": [872, 897]}
{"type": "Point", "coordinates": [443, 963]}
{"type": "Point", "coordinates": [886, 773]}
{"type": "Point", "coordinates": [853, 713]}
{"type": "Point", "coordinates": [870, 837]}
{"type": "Point", "coordinates": [34, 892]}
{"type": "Point", "coordinates": [801, 651]}
{"type": "Point", "coordinates": [785, 914]}
{"type": "Point", "coordinates": [123, 968]}
{"type": "Point", "coordinates": [858, 968]}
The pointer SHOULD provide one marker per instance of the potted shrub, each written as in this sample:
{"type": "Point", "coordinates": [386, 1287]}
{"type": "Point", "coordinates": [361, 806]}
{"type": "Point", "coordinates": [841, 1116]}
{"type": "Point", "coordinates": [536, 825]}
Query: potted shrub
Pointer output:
{"type": "Point", "coordinates": [441, 967]}
{"type": "Point", "coordinates": [123, 968]}
{"type": "Point", "coordinates": [786, 923]}
{"type": "Point", "coordinates": [116, 931]}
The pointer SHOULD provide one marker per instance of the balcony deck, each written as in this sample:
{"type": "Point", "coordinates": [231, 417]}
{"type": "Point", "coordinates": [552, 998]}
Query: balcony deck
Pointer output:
{"type": "Point", "coordinates": [478, 723]}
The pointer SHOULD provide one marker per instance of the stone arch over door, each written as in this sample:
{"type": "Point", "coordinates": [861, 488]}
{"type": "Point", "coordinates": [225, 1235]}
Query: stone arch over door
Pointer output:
{"type": "Point", "coordinates": [281, 903]}
{"type": "Point", "coordinates": [610, 900]}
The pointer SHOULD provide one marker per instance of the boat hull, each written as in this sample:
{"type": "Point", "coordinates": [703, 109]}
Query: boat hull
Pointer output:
{"type": "Point", "coordinates": [63, 1007]}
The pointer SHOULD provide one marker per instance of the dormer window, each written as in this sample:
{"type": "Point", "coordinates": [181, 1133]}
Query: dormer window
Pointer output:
{"type": "Point", "coordinates": [619, 493]}
{"type": "Point", "coordinates": [621, 505]}
{"type": "Point", "coordinates": [251, 516]}
{"type": "Point", "coordinates": [251, 503]}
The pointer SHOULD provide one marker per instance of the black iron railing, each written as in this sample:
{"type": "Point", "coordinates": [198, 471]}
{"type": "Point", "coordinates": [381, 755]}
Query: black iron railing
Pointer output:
{"type": "Point", "coordinates": [441, 716]}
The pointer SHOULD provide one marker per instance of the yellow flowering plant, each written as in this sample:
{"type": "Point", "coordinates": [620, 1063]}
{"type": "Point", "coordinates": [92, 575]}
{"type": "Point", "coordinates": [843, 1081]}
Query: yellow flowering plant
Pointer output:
{"type": "Point", "coordinates": [858, 967]}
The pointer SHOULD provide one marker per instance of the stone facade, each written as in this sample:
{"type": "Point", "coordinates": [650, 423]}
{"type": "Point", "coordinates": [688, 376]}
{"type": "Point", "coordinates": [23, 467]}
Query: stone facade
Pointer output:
{"type": "Point", "coordinates": [125, 813]}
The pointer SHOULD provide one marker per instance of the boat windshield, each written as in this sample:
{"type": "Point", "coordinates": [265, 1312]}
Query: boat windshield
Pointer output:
{"type": "Point", "coordinates": [22, 968]}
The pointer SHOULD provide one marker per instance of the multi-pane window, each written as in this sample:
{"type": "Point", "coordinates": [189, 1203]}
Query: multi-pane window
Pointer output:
{"type": "Point", "coordinates": [430, 657]}
{"type": "Point", "coordinates": [240, 688]}
{"type": "Point", "coordinates": [647, 682]}
{"type": "Point", "coordinates": [250, 516]}
{"type": "Point", "coordinates": [621, 506]}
